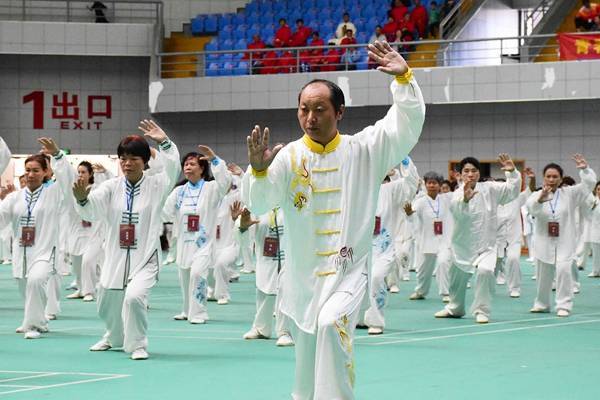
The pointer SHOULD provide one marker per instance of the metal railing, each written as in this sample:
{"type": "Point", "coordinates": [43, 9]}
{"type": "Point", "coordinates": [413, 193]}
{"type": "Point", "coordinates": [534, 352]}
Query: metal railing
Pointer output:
{"type": "Point", "coordinates": [465, 52]}
{"type": "Point", "coordinates": [122, 11]}
{"type": "Point", "coordinates": [535, 15]}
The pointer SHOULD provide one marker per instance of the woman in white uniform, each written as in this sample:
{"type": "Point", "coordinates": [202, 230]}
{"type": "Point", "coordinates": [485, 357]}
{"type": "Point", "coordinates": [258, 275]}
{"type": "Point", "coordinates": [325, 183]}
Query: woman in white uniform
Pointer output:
{"type": "Point", "coordinates": [191, 207]}
{"type": "Point", "coordinates": [32, 213]}
{"type": "Point", "coordinates": [131, 207]}
{"type": "Point", "coordinates": [593, 204]}
{"type": "Point", "coordinates": [554, 209]}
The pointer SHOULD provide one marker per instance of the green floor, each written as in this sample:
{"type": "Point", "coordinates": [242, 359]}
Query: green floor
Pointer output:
{"type": "Point", "coordinates": [517, 356]}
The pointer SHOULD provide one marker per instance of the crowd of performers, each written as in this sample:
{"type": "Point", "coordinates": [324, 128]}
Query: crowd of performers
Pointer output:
{"type": "Point", "coordinates": [329, 223]}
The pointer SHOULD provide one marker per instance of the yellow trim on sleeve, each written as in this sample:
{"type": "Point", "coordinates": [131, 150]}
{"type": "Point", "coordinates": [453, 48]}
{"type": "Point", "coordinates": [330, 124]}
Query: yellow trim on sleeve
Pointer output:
{"type": "Point", "coordinates": [326, 253]}
{"type": "Point", "coordinates": [318, 148]}
{"type": "Point", "coordinates": [328, 232]}
{"type": "Point", "coordinates": [325, 273]}
{"type": "Point", "coordinates": [327, 190]}
{"type": "Point", "coordinates": [259, 174]}
{"type": "Point", "coordinates": [332, 211]}
{"type": "Point", "coordinates": [334, 169]}
{"type": "Point", "coordinates": [404, 79]}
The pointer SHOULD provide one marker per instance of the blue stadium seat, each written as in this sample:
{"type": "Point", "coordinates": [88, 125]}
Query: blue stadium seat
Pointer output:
{"type": "Point", "coordinates": [314, 25]}
{"type": "Point", "coordinates": [253, 18]}
{"type": "Point", "coordinates": [239, 19]}
{"type": "Point", "coordinates": [327, 27]}
{"type": "Point", "coordinates": [265, 6]}
{"type": "Point", "coordinates": [311, 15]}
{"type": "Point", "coordinates": [212, 69]}
{"type": "Point", "coordinates": [355, 13]}
{"type": "Point", "coordinates": [267, 31]}
{"type": "Point", "coordinates": [224, 20]}
{"type": "Point", "coordinates": [226, 45]}
{"type": "Point", "coordinates": [340, 4]}
{"type": "Point", "coordinates": [211, 24]}
{"type": "Point", "coordinates": [324, 14]}
{"type": "Point", "coordinates": [251, 8]}
{"type": "Point", "coordinates": [227, 69]}
{"type": "Point", "coordinates": [240, 45]}
{"type": "Point", "coordinates": [294, 4]}
{"type": "Point", "coordinates": [279, 6]}
{"type": "Point", "coordinates": [362, 37]}
{"type": "Point", "coordinates": [280, 14]}
{"type": "Point", "coordinates": [251, 32]}
{"type": "Point", "coordinates": [360, 24]}
{"type": "Point", "coordinates": [293, 16]}
{"type": "Point", "coordinates": [226, 33]}
{"type": "Point", "coordinates": [197, 26]}
{"type": "Point", "coordinates": [382, 13]}
{"type": "Point", "coordinates": [368, 12]}
{"type": "Point", "coordinates": [213, 45]}
{"type": "Point", "coordinates": [371, 24]}
{"type": "Point", "coordinates": [242, 68]}
{"type": "Point", "coordinates": [336, 15]}
{"type": "Point", "coordinates": [320, 4]}
{"type": "Point", "coordinates": [240, 32]}
{"type": "Point", "coordinates": [266, 18]}
{"type": "Point", "coordinates": [269, 39]}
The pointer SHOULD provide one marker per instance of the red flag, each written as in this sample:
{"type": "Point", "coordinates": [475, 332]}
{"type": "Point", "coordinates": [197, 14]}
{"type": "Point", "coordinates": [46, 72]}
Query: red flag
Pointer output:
{"type": "Point", "coordinates": [579, 47]}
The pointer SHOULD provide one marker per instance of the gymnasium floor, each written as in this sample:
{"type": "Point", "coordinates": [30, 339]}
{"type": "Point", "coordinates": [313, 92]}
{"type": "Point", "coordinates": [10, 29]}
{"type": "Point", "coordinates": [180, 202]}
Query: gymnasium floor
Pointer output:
{"type": "Point", "coordinates": [517, 356]}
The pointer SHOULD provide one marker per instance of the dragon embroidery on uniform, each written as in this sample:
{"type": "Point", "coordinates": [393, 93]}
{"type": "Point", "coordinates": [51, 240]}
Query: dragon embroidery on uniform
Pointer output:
{"type": "Point", "coordinates": [345, 256]}
{"type": "Point", "coordinates": [301, 178]}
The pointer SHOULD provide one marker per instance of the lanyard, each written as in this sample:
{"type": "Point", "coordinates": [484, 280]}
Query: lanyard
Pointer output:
{"type": "Point", "coordinates": [554, 207]}
{"type": "Point", "coordinates": [436, 212]}
{"type": "Point", "coordinates": [32, 201]}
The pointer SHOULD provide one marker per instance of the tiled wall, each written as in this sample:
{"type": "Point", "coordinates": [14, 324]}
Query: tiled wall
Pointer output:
{"type": "Point", "coordinates": [511, 82]}
{"type": "Point", "coordinates": [178, 12]}
{"type": "Point", "coordinates": [537, 132]}
{"type": "Point", "coordinates": [125, 79]}
{"type": "Point", "coordinates": [75, 38]}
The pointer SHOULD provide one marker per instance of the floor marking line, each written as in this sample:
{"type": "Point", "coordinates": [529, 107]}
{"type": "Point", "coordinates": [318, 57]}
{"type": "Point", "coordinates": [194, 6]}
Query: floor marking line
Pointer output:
{"type": "Point", "coordinates": [28, 377]}
{"type": "Point", "coordinates": [65, 384]}
{"type": "Point", "coordinates": [524, 328]}
{"type": "Point", "coordinates": [448, 328]}
{"type": "Point", "coordinates": [64, 373]}
{"type": "Point", "coordinates": [17, 386]}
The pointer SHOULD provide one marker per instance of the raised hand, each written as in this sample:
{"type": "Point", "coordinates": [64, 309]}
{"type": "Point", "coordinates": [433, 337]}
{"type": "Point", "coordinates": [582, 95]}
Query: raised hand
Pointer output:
{"type": "Point", "coordinates": [408, 209]}
{"type": "Point", "coordinates": [152, 131]}
{"type": "Point", "coordinates": [580, 161]}
{"type": "Point", "coordinates": [469, 191]}
{"type": "Point", "coordinates": [235, 169]}
{"type": "Point", "coordinates": [81, 190]}
{"type": "Point", "coordinates": [507, 163]}
{"type": "Point", "coordinates": [98, 168]}
{"type": "Point", "coordinates": [546, 194]}
{"type": "Point", "coordinates": [246, 221]}
{"type": "Point", "coordinates": [260, 155]}
{"type": "Point", "coordinates": [236, 209]}
{"type": "Point", "coordinates": [389, 60]}
{"type": "Point", "coordinates": [207, 153]}
{"type": "Point", "coordinates": [49, 146]}
{"type": "Point", "coordinates": [5, 191]}
{"type": "Point", "coordinates": [528, 172]}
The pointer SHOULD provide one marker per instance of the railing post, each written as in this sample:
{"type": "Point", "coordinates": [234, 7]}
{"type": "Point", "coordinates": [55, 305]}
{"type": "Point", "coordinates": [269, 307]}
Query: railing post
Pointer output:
{"type": "Point", "coordinates": [250, 63]}
{"type": "Point", "coordinates": [501, 50]}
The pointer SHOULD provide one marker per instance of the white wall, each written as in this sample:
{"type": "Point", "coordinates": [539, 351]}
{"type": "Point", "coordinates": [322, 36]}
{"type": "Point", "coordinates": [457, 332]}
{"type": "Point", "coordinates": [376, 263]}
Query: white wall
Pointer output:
{"type": "Point", "coordinates": [178, 12]}
{"type": "Point", "coordinates": [74, 38]}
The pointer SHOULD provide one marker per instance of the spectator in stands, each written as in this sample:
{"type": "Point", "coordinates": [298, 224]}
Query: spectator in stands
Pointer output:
{"type": "Point", "coordinates": [98, 8]}
{"type": "Point", "coordinates": [257, 43]}
{"type": "Point", "coordinates": [408, 29]}
{"type": "Point", "coordinates": [269, 62]}
{"type": "Point", "coordinates": [340, 31]}
{"type": "Point", "coordinates": [349, 55]}
{"type": "Point", "coordinates": [434, 20]}
{"type": "Point", "coordinates": [300, 37]}
{"type": "Point", "coordinates": [378, 35]}
{"type": "Point", "coordinates": [585, 18]}
{"type": "Point", "coordinates": [419, 17]}
{"type": "Point", "coordinates": [390, 28]}
{"type": "Point", "coordinates": [287, 62]}
{"type": "Point", "coordinates": [331, 60]}
{"type": "Point", "coordinates": [283, 35]}
{"type": "Point", "coordinates": [314, 57]}
{"type": "Point", "coordinates": [403, 48]}
{"type": "Point", "coordinates": [399, 9]}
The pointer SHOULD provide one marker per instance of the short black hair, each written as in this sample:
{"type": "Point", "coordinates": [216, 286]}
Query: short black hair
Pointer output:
{"type": "Point", "coordinates": [554, 166]}
{"type": "Point", "coordinates": [206, 173]}
{"type": "Point", "coordinates": [469, 160]}
{"type": "Point", "coordinates": [433, 176]}
{"type": "Point", "coordinates": [299, 20]}
{"type": "Point", "coordinates": [568, 181]}
{"type": "Point", "coordinates": [336, 95]}
{"type": "Point", "coordinates": [134, 145]}
{"type": "Point", "coordinates": [596, 187]}
{"type": "Point", "coordinates": [88, 166]}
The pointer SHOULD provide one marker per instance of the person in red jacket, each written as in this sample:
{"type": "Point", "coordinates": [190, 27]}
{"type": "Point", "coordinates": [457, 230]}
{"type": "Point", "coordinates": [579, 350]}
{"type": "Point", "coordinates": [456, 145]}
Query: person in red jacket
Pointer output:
{"type": "Point", "coordinates": [287, 62]}
{"type": "Point", "coordinates": [269, 62]}
{"type": "Point", "coordinates": [390, 28]}
{"type": "Point", "coordinates": [331, 60]}
{"type": "Point", "coordinates": [398, 10]}
{"type": "Point", "coordinates": [300, 37]}
{"type": "Point", "coordinates": [283, 35]}
{"type": "Point", "coordinates": [349, 39]}
{"type": "Point", "coordinates": [314, 57]}
{"type": "Point", "coordinates": [408, 28]}
{"type": "Point", "coordinates": [419, 18]}
{"type": "Point", "coordinates": [256, 43]}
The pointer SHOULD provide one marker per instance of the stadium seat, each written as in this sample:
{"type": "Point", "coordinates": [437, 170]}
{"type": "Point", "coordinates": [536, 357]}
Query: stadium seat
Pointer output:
{"type": "Point", "coordinates": [324, 14]}
{"type": "Point", "coordinates": [211, 24]}
{"type": "Point", "coordinates": [314, 25]}
{"type": "Point", "coordinates": [279, 6]}
{"type": "Point", "coordinates": [294, 4]}
{"type": "Point", "coordinates": [362, 37]}
{"type": "Point", "coordinates": [240, 32]}
{"type": "Point", "coordinates": [338, 4]}
{"type": "Point", "coordinates": [239, 19]}
{"type": "Point", "coordinates": [368, 12]}
{"type": "Point", "coordinates": [226, 33]}
{"type": "Point", "coordinates": [242, 68]}
{"type": "Point", "coordinates": [253, 18]}
{"type": "Point", "coordinates": [197, 26]}
{"type": "Point", "coordinates": [360, 24]}
{"type": "Point", "coordinates": [226, 45]}
{"type": "Point", "coordinates": [320, 4]}
{"type": "Point", "coordinates": [212, 69]}
{"type": "Point", "coordinates": [293, 16]}
{"type": "Point", "coordinates": [265, 6]}
{"type": "Point", "coordinates": [355, 13]}
{"type": "Point", "coordinates": [266, 18]}
{"type": "Point", "coordinates": [371, 24]}
{"type": "Point", "coordinates": [240, 45]}
{"type": "Point", "coordinates": [251, 8]}
{"type": "Point", "coordinates": [224, 20]}
{"type": "Point", "coordinates": [227, 69]}
{"type": "Point", "coordinates": [213, 45]}
{"type": "Point", "coordinates": [267, 31]}
{"type": "Point", "coordinates": [254, 30]}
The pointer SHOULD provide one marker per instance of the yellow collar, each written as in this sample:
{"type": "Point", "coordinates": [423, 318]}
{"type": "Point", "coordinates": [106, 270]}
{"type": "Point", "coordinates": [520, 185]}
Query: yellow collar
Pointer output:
{"type": "Point", "coordinates": [319, 148]}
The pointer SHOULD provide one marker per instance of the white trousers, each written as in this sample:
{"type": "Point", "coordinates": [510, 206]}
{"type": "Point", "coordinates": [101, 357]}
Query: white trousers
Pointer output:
{"type": "Point", "coordinates": [510, 263]}
{"type": "Point", "coordinates": [583, 251]}
{"type": "Point", "coordinates": [33, 290]}
{"type": "Point", "coordinates": [564, 285]}
{"type": "Point", "coordinates": [76, 268]}
{"type": "Point", "coordinates": [426, 263]}
{"type": "Point", "coordinates": [5, 247]}
{"type": "Point", "coordinates": [266, 305]}
{"type": "Point", "coordinates": [248, 258]}
{"type": "Point", "coordinates": [194, 288]}
{"type": "Point", "coordinates": [125, 312]}
{"type": "Point", "coordinates": [529, 242]}
{"type": "Point", "coordinates": [53, 293]}
{"type": "Point", "coordinates": [596, 258]}
{"type": "Point", "coordinates": [223, 265]}
{"type": "Point", "coordinates": [89, 269]}
{"type": "Point", "coordinates": [377, 298]}
{"type": "Point", "coordinates": [485, 284]}
{"type": "Point", "coordinates": [324, 361]}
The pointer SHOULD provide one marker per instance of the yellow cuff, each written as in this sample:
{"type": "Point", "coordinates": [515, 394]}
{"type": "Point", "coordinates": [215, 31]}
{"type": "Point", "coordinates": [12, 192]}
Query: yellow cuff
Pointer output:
{"type": "Point", "coordinates": [259, 174]}
{"type": "Point", "coordinates": [404, 79]}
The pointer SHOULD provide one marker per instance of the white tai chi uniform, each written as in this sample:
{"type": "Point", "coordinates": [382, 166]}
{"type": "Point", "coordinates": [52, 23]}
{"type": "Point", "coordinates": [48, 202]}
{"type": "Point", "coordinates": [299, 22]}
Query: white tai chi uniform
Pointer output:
{"type": "Point", "coordinates": [392, 197]}
{"type": "Point", "coordinates": [528, 232]}
{"type": "Point", "coordinates": [130, 269]}
{"type": "Point", "coordinates": [509, 241]}
{"type": "Point", "coordinates": [557, 252]}
{"type": "Point", "coordinates": [6, 233]}
{"type": "Point", "coordinates": [35, 215]}
{"type": "Point", "coordinates": [192, 207]}
{"type": "Point", "coordinates": [227, 249]}
{"type": "Point", "coordinates": [474, 245]}
{"type": "Point", "coordinates": [593, 205]}
{"type": "Point", "coordinates": [328, 195]}
{"type": "Point", "coordinates": [435, 224]}
{"type": "Point", "coordinates": [5, 155]}
{"type": "Point", "coordinates": [269, 240]}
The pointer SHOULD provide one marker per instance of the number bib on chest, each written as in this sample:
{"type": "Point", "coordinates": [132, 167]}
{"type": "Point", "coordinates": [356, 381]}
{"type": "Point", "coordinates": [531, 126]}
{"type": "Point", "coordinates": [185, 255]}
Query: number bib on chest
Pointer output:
{"type": "Point", "coordinates": [438, 228]}
{"type": "Point", "coordinates": [27, 236]}
{"type": "Point", "coordinates": [193, 223]}
{"type": "Point", "coordinates": [271, 247]}
{"type": "Point", "coordinates": [553, 229]}
{"type": "Point", "coordinates": [86, 224]}
{"type": "Point", "coordinates": [377, 229]}
{"type": "Point", "coordinates": [127, 235]}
